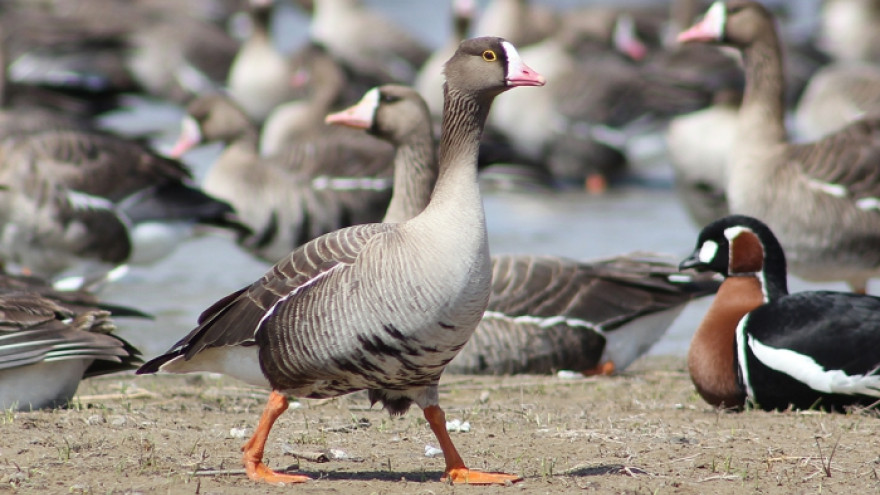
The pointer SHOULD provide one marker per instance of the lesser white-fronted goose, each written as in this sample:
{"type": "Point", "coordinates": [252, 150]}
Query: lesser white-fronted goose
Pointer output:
{"type": "Point", "coordinates": [260, 75]}
{"type": "Point", "coordinates": [80, 203]}
{"type": "Point", "coordinates": [308, 188]}
{"type": "Point", "coordinates": [837, 95]}
{"type": "Point", "coordinates": [820, 198]}
{"type": "Point", "coordinates": [415, 290]}
{"type": "Point", "coordinates": [760, 345]}
{"type": "Point", "coordinates": [545, 313]}
{"type": "Point", "coordinates": [50, 340]}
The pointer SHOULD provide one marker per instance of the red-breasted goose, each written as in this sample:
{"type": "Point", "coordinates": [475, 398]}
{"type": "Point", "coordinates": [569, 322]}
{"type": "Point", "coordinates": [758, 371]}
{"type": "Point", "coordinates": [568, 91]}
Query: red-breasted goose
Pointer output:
{"type": "Point", "coordinates": [50, 340]}
{"type": "Point", "coordinates": [775, 350]}
{"type": "Point", "coordinates": [821, 199]}
{"type": "Point", "coordinates": [412, 292]}
{"type": "Point", "coordinates": [308, 188]}
{"type": "Point", "coordinates": [545, 313]}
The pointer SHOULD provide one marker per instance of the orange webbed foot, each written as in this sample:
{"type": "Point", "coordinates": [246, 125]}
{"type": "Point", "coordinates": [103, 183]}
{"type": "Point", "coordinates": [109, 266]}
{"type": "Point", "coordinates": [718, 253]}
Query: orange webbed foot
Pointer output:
{"type": "Point", "coordinates": [472, 477]}
{"type": "Point", "coordinates": [606, 368]}
{"type": "Point", "coordinates": [258, 471]}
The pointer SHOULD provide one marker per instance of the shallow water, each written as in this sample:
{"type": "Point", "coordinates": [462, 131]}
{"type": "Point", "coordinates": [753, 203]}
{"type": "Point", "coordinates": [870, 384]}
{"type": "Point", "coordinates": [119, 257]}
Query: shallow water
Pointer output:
{"type": "Point", "coordinates": [641, 216]}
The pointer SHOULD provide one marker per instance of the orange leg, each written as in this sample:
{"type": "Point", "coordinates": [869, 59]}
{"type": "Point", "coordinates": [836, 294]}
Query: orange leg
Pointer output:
{"type": "Point", "coordinates": [455, 468]}
{"type": "Point", "coordinates": [605, 368]}
{"type": "Point", "coordinates": [253, 449]}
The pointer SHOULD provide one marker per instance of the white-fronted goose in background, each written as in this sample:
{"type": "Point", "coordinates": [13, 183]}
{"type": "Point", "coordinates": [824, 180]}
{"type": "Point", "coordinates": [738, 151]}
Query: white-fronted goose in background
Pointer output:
{"type": "Point", "coordinates": [760, 345]}
{"type": "Point", "coordinates": [260, 75]}
{"type": "Point", "coordinates": [545, 313]}
{"type": "Point", "coordinates": [50, 340]}
{"type": "Point", "coordinates": [849, 30]}
{"type": "Point", "coordinates": [820, 198]}
{"type": "Point", "coordinates": [837, 95]}
{"type": "Point", "coordinates": [367, 42]}
{"type": "Point", "coordinates": [80, 203]}
{"type": "Point", "coordinates": [308, 188]}
{"type": "Point", "coordinates": [415, 290]}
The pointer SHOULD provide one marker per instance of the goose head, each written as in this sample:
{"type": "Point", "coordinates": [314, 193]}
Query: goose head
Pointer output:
{"type": "Point", "coordinates": [490, 66]}
{"type": "Point", "coordinates": [739, 245]}
{"type": "Point", "coordinates": [738, 23]}
{"type": "Point", "coordinates": [210, 118]}
{"type": "Point", "coordinates": [392, 112]}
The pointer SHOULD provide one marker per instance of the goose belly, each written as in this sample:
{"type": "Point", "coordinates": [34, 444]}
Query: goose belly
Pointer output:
{"type": "Point", "coordinates": [44, 384]}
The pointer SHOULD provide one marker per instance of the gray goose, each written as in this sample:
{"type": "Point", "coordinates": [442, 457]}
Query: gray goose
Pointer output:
{"type": "Point", "coordinates": [50, 340]}
{"type": "Point", "coordinates": [260, 75]}
{"type": "Point", "coordinates": [835, 96]}
{"type": "Point", "coordinates": [308, 188]}
{"type": "Point", "coordinates": [82, 203]}
{"type": "Point", "coordinates": [849, 30]}
{"type": "Point", "coordinates": [414, 290]}
{"type": "Point", "coordinates": [545, 313]}
{"type": "Point", "coordinates": [820, 198]}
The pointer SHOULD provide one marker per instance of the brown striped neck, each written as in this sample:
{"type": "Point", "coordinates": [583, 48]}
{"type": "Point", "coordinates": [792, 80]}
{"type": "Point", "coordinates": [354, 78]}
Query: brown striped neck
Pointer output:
{"type": "Point", "coordinates": [762, 112]}
{"type": "Point", "coordinates": [415, 173]}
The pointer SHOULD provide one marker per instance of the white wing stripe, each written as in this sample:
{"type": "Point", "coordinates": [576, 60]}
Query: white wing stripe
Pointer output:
{"type": "Point", "coordinates": [806, 370]}
{"type": "Point", "coordinates": [542, 321]}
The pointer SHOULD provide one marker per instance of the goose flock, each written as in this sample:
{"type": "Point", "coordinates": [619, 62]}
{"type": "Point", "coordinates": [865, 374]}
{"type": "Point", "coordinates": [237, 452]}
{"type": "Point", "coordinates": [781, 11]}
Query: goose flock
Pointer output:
{"type": "Point", "coordinates": [353, 168]}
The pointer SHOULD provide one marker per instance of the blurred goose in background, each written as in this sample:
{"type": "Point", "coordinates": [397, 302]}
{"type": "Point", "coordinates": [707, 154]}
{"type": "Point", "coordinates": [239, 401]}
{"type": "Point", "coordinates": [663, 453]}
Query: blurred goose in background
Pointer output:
{"type": "Point", "coordinates": [80, 204]}
{"type": "Point", "coordinates": [307, 188]}
{"type": "Point", "coordinates": [51, 340]}
{"type": "Point", "coordinates": [545, 313]}
{"type": "Point", "coordinates": [837, 95]}
{"type": "Point", "coordinates": [760, 345]}
{"type": "Point", "coordinates": [849, 30]}
{"type": "Point", "coordinates": [260, 77]}
{"type": "Point", "coordinates": [415, 291]}
{"type": "Point", "coordinates": [368, 43]}
{"type": "Point", "coordinates": [521, 22]}
{"type": "Point", "coordinates": [820, 198]}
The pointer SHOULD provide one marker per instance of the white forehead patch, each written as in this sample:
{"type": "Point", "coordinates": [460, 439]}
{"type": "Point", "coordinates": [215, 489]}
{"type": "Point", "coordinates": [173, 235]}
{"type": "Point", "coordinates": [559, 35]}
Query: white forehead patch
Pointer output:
{"type": "Point", "coordinates": [190, 129]}
{"type": "Point", "coordinates": [370, 101]}
{"type": "Point", "coordinates": [708, 251]}
{"type": "Point", "coordinates": [515, 64]}
{"type": "Point", "coordinates": [715, 19]}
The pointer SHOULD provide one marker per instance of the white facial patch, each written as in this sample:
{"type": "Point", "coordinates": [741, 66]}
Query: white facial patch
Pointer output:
{"type": "Point", "coordinates": [515, 64]}
{"type": "Point", "coordinates": [708, 251]}
{"type": "Point", "coordinates": [370, 103]}
{"type": "Point", "coordinates": [732, 233]}
{"type": "Point", "coordinates": [715, 19]}
{"type": "Point", "coordinates": [190, 130]}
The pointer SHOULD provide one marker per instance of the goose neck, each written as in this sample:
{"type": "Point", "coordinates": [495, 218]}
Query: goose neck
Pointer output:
{"type": "Point", "coordinates": [762, 112]}
{"type": "Point", "coordinates": [415, 173]}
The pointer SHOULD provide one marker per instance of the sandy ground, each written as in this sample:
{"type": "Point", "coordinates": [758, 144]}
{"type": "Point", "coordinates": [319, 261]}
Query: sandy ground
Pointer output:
{"type": "Point", "coordinates": [643, 432]}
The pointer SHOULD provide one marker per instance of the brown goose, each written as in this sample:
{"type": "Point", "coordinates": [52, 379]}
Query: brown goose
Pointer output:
{"type": "Point", "coordinates": [820, 198]}
{"type": "Point", "coordinates": [50, 340]}
{"type": "Point", "coordinates": [80, 203]}
{"type": "Point", "coordinates": [545, 313]}
{"type": "Point", "coordinates": [310, 187]}
{"type": "Point", "coordinates": [414, 291]}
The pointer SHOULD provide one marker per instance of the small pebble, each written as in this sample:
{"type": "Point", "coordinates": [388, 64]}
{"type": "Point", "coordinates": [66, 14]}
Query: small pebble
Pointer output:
{"type": "Point", "coordinates": [431, 451]}
{"type": "Point", "coordinates": [238, 432]}
{"type": "Point", "coordinates": [568, 375]}
{"type": "Point", "coordinates": [117, 420]}
{"type": "Point", "coordinates": [95, 419]}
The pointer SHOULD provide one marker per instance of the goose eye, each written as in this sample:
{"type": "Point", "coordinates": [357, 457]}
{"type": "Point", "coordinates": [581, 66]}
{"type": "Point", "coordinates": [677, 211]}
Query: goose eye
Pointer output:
{"type": "Point", "coordinates": [489, 56]}
{"type": "Point", "coordinates": [388, 98]}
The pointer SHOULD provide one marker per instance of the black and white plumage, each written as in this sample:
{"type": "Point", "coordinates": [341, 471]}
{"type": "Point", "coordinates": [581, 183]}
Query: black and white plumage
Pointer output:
{"type": "Point", "coordinates": [758, 343]}
{"type": "Point", "coordinates": [381, 307]}
{"type": "Point", "coordinates": [545, 313]}
{"type": "Point", "coordinates": [50, 340]}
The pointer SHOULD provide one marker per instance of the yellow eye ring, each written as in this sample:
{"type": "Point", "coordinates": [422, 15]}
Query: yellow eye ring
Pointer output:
{"type": "Point", "coordinates": [489, 56]}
